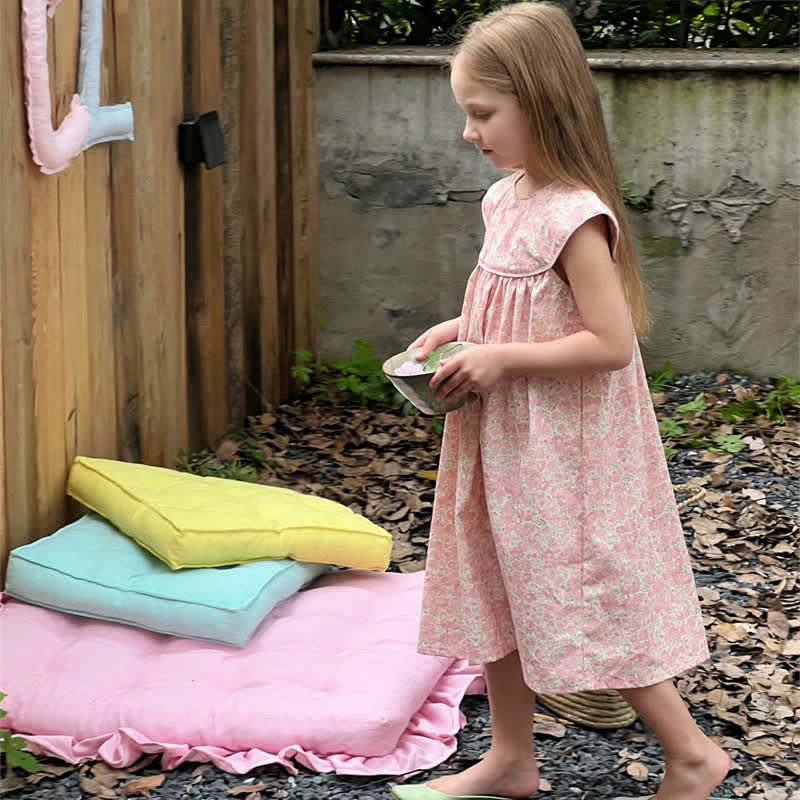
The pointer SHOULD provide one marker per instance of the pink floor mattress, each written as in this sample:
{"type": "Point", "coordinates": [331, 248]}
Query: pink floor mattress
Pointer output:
{"type": "Point", "coordinates": [331, 680]}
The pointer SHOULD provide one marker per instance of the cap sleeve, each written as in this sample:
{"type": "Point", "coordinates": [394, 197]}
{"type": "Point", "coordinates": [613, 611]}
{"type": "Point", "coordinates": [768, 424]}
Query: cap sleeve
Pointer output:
{"type": "Point", "coordinates": [575, 208]}
{"type": "Point", "coordinates": [491, 199]}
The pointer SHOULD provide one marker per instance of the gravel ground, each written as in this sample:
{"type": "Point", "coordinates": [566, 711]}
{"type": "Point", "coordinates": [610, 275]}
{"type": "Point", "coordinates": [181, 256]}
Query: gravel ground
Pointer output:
{"type": "Point", "coordinates": [582, 765]}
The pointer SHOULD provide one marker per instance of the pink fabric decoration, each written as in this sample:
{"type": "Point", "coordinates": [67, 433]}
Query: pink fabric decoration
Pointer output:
{"type": "Point", "coordinates": [52, 150]}
{"type": "Point", "coordinates": [331, 679]}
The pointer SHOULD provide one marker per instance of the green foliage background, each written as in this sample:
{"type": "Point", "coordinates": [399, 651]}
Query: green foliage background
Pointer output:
{"type": "Point", "coordinates": [617, 24]}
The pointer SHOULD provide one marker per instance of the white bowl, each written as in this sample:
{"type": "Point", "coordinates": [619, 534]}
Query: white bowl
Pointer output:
{"type": "Point", "coordinates": [416, 388]}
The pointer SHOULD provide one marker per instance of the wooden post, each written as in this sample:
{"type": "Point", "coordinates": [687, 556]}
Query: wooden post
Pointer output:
{"type": "Point", "coordinates": [18, 446]}
{"type": "Point", "coordinates": [205, 284]}
{"type": "Point", "coordinates": [262, 307]}
{"type": "Point", "coordinates": [303, 41]}
{"type": "Point", "coordinates": [67, 401]}
{"type": "Point", "coordinates": [127, 349]}
{"type": "Point", "coordinates": [104, 435]}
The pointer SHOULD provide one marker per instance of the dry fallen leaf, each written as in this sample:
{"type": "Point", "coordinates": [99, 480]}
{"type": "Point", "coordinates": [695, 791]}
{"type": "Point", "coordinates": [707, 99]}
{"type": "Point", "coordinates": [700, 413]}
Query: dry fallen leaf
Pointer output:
{"type": "Point", "coordinates": [779, 624]}
{"type": "Point", "coordinates": [108, 776]}
{"type": "Point", "coordinates": [93, 787]}
{"type": "Point", "coordinates": [244, 788]}
{"type": "Point", "coordinates": [142, 785]}
{"type": "Point", "coordinates": [637, 771]}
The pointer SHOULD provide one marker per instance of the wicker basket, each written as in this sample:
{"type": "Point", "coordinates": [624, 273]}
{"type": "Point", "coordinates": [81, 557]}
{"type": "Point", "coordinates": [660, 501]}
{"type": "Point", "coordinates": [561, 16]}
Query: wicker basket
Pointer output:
{"type": "Point", "coordinates": [602, 708]}
{"type": "Point", "coordinates": [605, 708]}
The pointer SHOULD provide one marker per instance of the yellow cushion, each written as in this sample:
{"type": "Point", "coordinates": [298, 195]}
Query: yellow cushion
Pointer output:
{"type": "Point", "coordinates": [190, 521]}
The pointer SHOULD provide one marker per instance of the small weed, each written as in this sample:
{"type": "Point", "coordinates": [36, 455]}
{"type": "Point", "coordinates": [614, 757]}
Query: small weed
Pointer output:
{"type": "Point", "coordinates": [252, 450]}
{"type": "Point", "coordinates": [727, 443]}
{"type": "Point", "coordinates": [657, 381]}
{"type": "Point", "coordinates": [740, 412]}
{"type": "Point", "coordinates": [207, 465]}
{"type": "Point", "coordinates": [303, 368]}
{"type": "Point", "coordinates": [13, 748]}
{"type": "Point", "coordinates": [786, 393]}
{"type": "Point", "coordinates": [361, 377]}
{"type": "Point", "coordinates": [670, 428]}
{"type": "Point", "coordinates": [696, 406]}
{"type": "Point", "coordinates": [632, 199]}
{"type": "Point", "coordinates": [321, 316]}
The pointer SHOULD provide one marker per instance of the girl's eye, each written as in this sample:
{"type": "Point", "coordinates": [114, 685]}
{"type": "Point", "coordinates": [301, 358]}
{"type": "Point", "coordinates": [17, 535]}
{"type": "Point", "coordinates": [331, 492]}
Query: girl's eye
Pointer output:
{"type": "Point", "coordinates": [482, 115]}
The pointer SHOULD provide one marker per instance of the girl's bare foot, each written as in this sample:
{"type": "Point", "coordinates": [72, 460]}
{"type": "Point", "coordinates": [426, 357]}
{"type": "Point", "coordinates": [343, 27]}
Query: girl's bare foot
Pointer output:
{"type": "Point", "coordinates": [694, 779]}
{"type": "Point", "coordinates": [493, 775]}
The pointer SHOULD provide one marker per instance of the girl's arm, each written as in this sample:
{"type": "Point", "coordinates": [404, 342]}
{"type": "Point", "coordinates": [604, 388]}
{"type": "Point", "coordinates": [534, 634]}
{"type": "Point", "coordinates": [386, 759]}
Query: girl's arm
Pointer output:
{"type": "Point", "coordinates": [607, 341]}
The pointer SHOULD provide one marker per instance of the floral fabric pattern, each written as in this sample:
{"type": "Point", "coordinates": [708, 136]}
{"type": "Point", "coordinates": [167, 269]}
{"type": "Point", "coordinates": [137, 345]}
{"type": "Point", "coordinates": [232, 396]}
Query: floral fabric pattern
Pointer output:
{"type": "Point", "coordinates": [555, 529]}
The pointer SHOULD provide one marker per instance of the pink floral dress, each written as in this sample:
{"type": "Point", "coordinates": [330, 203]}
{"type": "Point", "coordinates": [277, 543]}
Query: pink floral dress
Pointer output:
{"type": "Point", "coordinates": [555, 529]}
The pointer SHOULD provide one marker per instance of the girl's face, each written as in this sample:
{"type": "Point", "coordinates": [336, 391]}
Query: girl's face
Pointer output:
{"type": "Point", "coordinates": [495, 123]}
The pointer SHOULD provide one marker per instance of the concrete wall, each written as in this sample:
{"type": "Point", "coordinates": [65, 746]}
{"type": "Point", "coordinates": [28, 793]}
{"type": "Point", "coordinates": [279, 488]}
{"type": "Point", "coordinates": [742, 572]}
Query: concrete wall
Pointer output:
{"type": "Point", "coordinates": [713, 147]}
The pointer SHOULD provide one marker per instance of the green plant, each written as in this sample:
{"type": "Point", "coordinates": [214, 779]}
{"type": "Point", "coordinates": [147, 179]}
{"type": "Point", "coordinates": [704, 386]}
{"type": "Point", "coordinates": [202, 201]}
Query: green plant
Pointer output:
{"type": "Point", "coordinates": [207, 465]}
{"type": "Point", "coordinates": [599, 23]}
{"type": "Point", "coordinates": [657, 381]}
{"type": "Point", "coordinates": [748, 408]}
{"type": "Point", "coordinates": [633, 200]}
{"type": "Point", "coordinates": [303, 367]}
{"type": "Point", "coordinates": [696, 406]}
{"type": "Point", "coordinates": [13, 748]}
{"type": "Point", "coordinates": [361, 376]}
{"type": "Point", "coordinates": [786, 393]}
{"type": "Point", "coordinates": [727, 443]}
{"type": "Point", "coordinates": [321, 316]}
{"type": "Point", "coordinates": [670, 428]}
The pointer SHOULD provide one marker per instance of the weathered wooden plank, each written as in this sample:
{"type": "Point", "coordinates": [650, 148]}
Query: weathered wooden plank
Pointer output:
{"type": "Point", "coordinates": [258, 187]}
{"type": "Point", "coordinates": [48, 355]}
{"type": "Point", "coordinates": [68, 235]}
{"type": "Point", "coordinates": [166, 437]}
{"type": "Point", "coordinates": [18, 447]}
{"type": "Point", "coordinates": [205, 286]}
{"type": "Point", "coordinates": [284, 137]}
{"type": "Point", "coordinates": [303, 33]}
{"type": "Point", "coordinates": [127, 352]}
{"type": "Point", "coordinates": [236, 370]}
{"type": "Point", "coordinates": [154, 262]}
{"type": "Point", "coordinates": [101, 358]}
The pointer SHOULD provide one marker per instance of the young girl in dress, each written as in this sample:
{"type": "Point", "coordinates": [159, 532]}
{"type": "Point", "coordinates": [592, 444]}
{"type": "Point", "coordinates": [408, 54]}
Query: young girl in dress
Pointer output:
{"type": "Point", "coordinates": [556, 554]}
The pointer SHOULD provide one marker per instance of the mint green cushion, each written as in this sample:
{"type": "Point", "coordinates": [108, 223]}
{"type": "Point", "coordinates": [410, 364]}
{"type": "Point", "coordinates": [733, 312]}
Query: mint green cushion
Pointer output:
{"type": "Point", "coordinates": [91, 569]}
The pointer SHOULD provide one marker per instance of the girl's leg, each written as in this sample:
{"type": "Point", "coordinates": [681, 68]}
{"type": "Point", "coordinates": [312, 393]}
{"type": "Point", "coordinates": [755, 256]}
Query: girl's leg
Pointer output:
{"type": "Point", "coordinates": [695, 765]}
{"type": "Point", "coordinates": [509, 767]}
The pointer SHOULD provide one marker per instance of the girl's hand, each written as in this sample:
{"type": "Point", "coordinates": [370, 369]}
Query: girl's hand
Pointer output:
{"type": "Point", "coordinates": [475, 369]}
{"type": "Point", "coordinates": [435, 337]}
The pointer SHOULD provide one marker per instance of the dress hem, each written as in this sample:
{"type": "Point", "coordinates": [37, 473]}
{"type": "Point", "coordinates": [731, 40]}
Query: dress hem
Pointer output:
{"type": "Point", "coordinates": [590, 686]}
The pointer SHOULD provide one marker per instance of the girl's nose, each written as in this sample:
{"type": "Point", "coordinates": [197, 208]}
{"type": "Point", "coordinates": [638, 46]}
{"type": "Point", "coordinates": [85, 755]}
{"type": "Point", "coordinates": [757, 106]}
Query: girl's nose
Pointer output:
{"type": "Point", "coordinates": [469, 133]}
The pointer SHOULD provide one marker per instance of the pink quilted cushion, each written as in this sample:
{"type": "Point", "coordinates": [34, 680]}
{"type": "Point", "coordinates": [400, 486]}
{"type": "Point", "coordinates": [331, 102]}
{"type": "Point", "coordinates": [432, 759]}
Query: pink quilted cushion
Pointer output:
{"type": "Point", "coordinates": [331, 678]}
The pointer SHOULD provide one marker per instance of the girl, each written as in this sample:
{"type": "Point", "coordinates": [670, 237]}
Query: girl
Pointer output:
{"type": "Point", "coordinates": [556, 553]}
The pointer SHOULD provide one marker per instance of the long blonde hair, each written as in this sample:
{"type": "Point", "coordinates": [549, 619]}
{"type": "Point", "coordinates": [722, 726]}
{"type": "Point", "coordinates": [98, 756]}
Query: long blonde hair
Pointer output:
{"type": "Point", "coordinates": [531, 51]}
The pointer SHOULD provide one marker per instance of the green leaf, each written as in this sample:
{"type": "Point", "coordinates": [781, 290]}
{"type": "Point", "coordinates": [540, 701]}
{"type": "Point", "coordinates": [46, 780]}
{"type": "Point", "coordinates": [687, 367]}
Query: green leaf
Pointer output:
{"type": "Point", "coordinates": [21, 759]}
{"type": "Point", "coordinates": [669, 428]}
{"type": "Point", "coordinates": [693, 406]}
{"type": "Point", "coordinates": [728, 443]}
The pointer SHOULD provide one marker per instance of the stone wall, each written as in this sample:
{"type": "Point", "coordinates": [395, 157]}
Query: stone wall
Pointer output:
{"type": "Point", "coordinates": [707, 139]}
